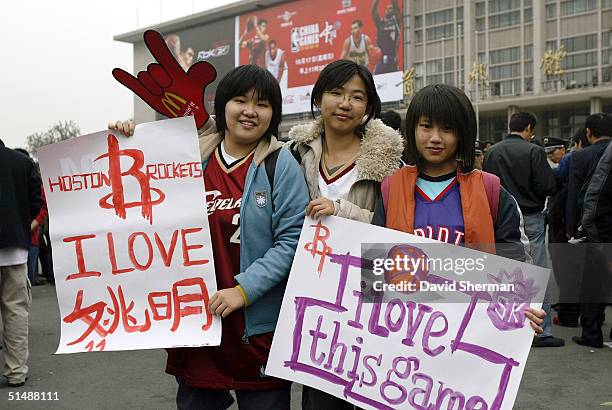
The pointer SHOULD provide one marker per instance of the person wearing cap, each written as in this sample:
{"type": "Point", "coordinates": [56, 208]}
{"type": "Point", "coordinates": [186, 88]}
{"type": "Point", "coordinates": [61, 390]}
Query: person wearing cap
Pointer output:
{"type": "Point", "coordinates": [555, 150]}
{"type": "Point", "coordinates": [479, 158]}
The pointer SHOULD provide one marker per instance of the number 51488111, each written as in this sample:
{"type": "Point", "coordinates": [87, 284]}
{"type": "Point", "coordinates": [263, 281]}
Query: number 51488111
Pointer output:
{"type": "Point", "coordinates": [32, 396]}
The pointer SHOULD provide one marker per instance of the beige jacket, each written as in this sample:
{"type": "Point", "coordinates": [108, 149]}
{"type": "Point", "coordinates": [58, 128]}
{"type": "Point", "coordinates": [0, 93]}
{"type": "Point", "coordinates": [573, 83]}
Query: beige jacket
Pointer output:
{"type": "Point", "coordinates": [380, 155]}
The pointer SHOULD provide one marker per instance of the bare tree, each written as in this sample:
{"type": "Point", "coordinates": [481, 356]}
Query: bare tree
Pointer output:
{"type": "Point", "coordinates": [63, 130]}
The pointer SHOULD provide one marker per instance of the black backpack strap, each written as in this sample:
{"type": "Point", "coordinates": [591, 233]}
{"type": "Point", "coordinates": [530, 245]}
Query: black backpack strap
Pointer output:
{"type": "Point", "coordinates": [270, 165]}
{"type": "Point", "coordinates": [294, 151]}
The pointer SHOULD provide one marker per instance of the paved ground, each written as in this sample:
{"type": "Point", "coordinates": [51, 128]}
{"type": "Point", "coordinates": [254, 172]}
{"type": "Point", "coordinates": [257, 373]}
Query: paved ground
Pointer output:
{"type": "Point", "coordinates": [571, 377]}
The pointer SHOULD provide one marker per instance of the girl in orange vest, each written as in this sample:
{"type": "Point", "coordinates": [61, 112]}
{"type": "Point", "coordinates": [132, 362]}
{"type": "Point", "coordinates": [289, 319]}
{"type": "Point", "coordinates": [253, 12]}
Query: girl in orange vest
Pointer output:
{"type": "Point", "coordinates": [439, 194]}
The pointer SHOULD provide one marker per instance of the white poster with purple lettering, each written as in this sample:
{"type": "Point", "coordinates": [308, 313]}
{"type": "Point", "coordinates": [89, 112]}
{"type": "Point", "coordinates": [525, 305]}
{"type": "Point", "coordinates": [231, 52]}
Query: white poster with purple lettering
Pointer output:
{"type": "Point", "coordinates": [463, 348]}
{"type": "Point", "coordinates": [131, 245]}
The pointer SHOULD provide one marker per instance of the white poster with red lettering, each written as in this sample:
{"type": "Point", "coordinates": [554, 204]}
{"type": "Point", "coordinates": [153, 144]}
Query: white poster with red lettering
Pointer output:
{"type": "Point", "coordinates": [455, 336]}
{"type": "Point", "coordinates": [132, 253]}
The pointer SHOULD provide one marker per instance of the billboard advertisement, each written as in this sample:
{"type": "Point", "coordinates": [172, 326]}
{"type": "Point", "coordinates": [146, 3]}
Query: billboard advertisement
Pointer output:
{"type": "Point", "coordinates": [212, 42]}
{"type": "Point", "coordinates": [296, 40]}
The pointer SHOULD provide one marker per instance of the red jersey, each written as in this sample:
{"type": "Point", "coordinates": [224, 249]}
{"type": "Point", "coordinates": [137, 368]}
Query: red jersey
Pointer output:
{"type": "Point", "coordinates": [239, 362]}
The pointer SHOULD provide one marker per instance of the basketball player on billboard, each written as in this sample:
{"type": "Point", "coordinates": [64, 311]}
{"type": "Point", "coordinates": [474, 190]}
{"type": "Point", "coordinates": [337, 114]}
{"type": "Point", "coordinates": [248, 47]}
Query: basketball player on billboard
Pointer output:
{"type": "Point", "coordinates": [276, 64]}
{"type": "Point", "coordinates": [257, 43]}
{"type": "Point", "coordinates": [356, 46]}
{"type": "Point", "coordinates": [388, 34]}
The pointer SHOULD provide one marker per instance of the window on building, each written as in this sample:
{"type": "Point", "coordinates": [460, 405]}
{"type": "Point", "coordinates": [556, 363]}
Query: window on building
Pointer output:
{"type": "Point", "coordinates": [418, 22]}
{"type": "Point", "coordinates": [480, 24]}
{"type": "Point", "coordinates": [570, 7]}
{"type": "Point", "coordinates": [579, 65]}
{"type": "Point", "coordinates": [505, 71]}
{"type": "Point", "coordinates": [480, 9]}
{"type": "Point", "coordinates": [606, 4]}
{"type": "Point", "coordinates": [551, 45]}
{"type": "Point", "coordinates": [583, 78]}
{"type": "Point", "coordinates": [504, 55]}
{"type": "Point", "coordinates": [438, 32]}
{"type": "Point", "coordinates": [460, 13]}
{"type": "Point", "coordinates": [441, 71]}
{"type": "Point", "coordinates": [606, 62]}
{"type": "Point", "coordinates": [503, 5]}
{"type": "Point", "coordinates": [563, 123]}
{"type": "Point", "coordinates": [418, 36]}
{"type": "Point", "coordinates": [492, 128]}
{"type": "Point", "coordinates": [439, 17]}
{"type": "Point", "coordinates": [580, 43]}
{"type": "Point", "coordinates": [551, 11]}
{"type": "Point", "coordinates": [502, 20]}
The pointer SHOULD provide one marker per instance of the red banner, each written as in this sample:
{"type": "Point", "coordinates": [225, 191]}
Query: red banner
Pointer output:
{"type": "Point", "coordinates": [296, 40]}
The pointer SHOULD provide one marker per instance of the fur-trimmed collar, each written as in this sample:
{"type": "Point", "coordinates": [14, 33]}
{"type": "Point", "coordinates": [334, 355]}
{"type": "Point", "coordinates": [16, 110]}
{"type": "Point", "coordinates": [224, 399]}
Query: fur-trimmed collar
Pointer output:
{"type": "Point", "coordinates": [380, 153]}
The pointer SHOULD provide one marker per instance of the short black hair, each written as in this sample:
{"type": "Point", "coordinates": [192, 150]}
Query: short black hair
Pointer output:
{"type": "Point", "coordinates": [580, 137]}
{"type": "Point", "coordinates": [22, 151]}
{"type": "Point", "coordinates": [239, 81]}
{"type": "Point", "coordinates": [447, 106]}
{"type": "Point", "coordinates": [271, 42]}
{"type": "Point", "coordinates": [392, 119]}
{"type": "Point", "coordinates": [600, 124]}
{"type": "Point", "coordinates": [520, 121]}
{"type": "Point", "coordinates": [262, 21]}
{"type": "Point", "coordinates": [338, 73]}
{"type": "Point", "coordinates": [358, 22]}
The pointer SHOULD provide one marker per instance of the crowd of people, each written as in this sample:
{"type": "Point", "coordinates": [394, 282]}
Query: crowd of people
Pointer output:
{"type": "Point", "coordinates": [346, 163]}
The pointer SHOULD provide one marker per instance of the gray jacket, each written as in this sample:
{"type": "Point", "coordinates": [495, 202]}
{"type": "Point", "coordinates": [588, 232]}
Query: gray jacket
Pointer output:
{"type": "Point", "coordinates": [380, 155]}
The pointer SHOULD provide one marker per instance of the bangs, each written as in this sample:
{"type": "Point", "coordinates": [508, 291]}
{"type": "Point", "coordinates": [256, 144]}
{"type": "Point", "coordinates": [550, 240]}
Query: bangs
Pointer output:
{"type": "Point", "coordinates": [440, 108]}
{"type": "Point", "coordinates": [266, 87]}
{"type": "Point", "coordinates": [239, 82]}
{"type": "Point", "coordinates": [338, 73]}
{"type": "Point", "coordinates": [443, 106]}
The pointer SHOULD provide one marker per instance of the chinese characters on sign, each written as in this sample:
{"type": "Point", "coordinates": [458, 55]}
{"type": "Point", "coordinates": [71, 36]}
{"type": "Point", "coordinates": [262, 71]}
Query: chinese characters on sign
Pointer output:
{"type": "Point", "coordinates": [132, 250]}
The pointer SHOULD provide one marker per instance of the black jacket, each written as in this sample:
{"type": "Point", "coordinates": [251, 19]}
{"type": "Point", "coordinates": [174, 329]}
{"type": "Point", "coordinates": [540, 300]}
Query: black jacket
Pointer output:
{"type": "Point", "coordinates": [582, 162]}
{"type": "Point", "coordinates": [597, 217]}
{"type": "Point", "coordinates": [523, 170]}
{"type": "Point", "coordinates": [20, 198]}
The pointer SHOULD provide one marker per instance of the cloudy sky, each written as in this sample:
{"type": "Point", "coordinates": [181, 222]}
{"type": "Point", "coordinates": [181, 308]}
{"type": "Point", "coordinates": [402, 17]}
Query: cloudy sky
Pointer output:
{"type": "Point", "coordinates": [58, 56]}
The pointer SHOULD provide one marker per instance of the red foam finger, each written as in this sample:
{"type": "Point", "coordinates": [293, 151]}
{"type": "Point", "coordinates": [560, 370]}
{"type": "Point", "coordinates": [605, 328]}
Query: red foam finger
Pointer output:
{"type": "Point", "coordinates": [159, 75]}
{"type": "Point", "coordinates": [132, 83]}
{"type": "Point", "coordinates": [149, 83]}
{"type": "Point", "coordinates": [158, 48]}
{"type": "Point", "coordinates": [203, 72]}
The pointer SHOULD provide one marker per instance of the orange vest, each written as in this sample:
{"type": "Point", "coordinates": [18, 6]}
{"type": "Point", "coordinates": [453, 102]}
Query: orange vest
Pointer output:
{"type": "Point", "coordinates": [477, 218]}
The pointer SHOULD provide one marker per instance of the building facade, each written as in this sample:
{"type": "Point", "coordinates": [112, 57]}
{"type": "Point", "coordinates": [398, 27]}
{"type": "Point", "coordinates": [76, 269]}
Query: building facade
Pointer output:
{"type": "Point", "coordinates": [550, 57]}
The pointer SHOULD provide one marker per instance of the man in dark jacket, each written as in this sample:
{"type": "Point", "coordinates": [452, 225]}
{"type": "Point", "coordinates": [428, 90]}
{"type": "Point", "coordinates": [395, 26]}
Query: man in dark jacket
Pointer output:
{"type": "Point", "coordinates": [524, 171]}
{"type": "Point", "coordinates": [20, 201]}
{"type": "Point", "coordinates": [598, 130]}
{"type": "Point", "coordinates": [597, 225]}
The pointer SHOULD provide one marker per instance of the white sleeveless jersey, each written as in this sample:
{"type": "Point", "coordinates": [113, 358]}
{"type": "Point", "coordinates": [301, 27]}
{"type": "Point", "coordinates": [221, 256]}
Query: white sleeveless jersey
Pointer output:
{"type": "Point", "coordinates": [337, 186]}
{"type": "Point", "coordinates": [359, 53]}
{"type": "Point", "coordinates": [273, 64]}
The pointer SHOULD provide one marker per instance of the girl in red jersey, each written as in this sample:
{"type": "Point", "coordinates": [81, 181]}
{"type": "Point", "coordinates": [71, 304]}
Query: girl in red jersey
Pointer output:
{"type": "Point", "coordinates": [255, 228]}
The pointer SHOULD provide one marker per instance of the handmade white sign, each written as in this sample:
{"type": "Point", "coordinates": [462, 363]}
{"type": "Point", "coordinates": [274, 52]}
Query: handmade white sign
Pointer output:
{"type": "Point", "coordinates": [132, 253]}
{"type": "Point", "coordinates": [451, 334]}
